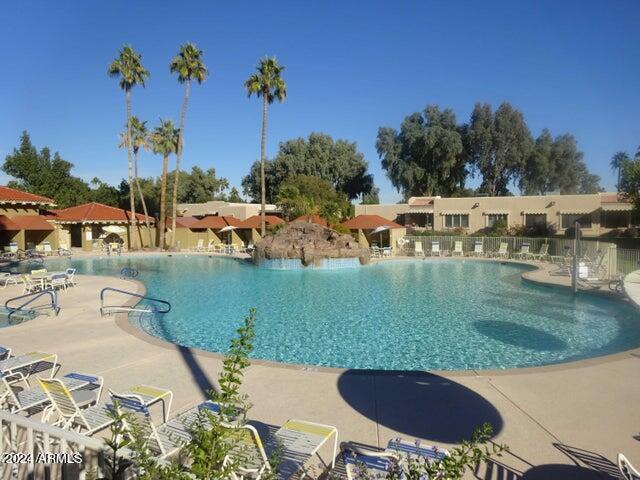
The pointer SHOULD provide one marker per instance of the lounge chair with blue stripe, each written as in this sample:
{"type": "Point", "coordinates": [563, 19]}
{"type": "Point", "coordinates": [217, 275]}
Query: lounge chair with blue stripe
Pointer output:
{"type": "Point", "coordinates": [478, 249]}
{"type": "Point", "coordinates": [435, 249]}
{"type": "Point", "coordinates": [417, 249]}
{"type": "Point", "coordinates": [21, 367]}
{"type": "Point", "coordinates": [5, 352]}
{"type": "Point", "coordinates": [376, 462]}
{"type": "Point", "coordinates": [35, 398]}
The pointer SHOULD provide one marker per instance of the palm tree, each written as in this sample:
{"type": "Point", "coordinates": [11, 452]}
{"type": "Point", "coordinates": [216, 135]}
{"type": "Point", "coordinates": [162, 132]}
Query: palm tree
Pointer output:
{"type": "Point", "coordinates": [189, 66]}
{"type": "Point", "coordinates": [164, 141]}
{"type": "Point", "coordinates": [618, 162]}
{"type": "Point", "coordinates": [268, 84]}
{"type": "Point", "coordinates": [128, 68]}
{"type": "Point", "coordinates": [139, 134]}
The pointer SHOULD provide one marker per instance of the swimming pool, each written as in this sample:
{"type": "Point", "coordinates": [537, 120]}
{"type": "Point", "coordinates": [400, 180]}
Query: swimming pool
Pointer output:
{"type": "Point", "coordinates": [403, 315]}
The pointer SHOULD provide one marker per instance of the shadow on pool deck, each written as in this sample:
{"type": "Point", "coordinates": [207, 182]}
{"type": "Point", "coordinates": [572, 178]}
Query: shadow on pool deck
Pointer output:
{"type": "Point", "coordinates": [419, 404]}
{"type": "Point", "coordinates": [199, 375]}
{"type": "Point", "coordinates": [520, 335]}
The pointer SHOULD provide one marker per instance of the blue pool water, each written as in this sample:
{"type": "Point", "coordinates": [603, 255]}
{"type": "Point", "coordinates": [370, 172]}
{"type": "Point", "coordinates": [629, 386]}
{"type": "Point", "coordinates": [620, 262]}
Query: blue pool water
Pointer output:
{"type": "Point", "coordinates": [409, 315]}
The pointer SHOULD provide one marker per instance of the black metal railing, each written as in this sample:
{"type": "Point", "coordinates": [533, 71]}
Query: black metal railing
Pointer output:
{"type": "Point", "coordinates": [32, 297]}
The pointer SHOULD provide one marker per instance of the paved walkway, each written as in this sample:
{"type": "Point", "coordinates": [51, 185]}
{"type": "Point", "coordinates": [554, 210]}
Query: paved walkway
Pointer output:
{"type": "Point", "coordinates": [561, 422]}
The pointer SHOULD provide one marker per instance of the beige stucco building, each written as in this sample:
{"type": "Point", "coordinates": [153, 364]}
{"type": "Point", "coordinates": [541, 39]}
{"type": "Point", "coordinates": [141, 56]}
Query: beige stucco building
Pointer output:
{"type": "Point", "coordinates": [241, 211]}
{"type": "Point", "coordinates": [598, 213]}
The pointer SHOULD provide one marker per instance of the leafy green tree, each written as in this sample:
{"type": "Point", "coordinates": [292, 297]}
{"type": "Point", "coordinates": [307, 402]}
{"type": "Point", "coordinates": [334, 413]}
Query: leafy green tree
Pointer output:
{"type": "Point", "coordinates": [102, 192]}
{"type": "Point", "coordinates": [128, 68]}
{"type": "Point", "coordinates": [618, 161]}
{"type": "Point", "coordinates": [44, 174]}
{"type": "Point", "coordinates": [536, 178]}
{"type": "Point", "coordinates": [308, 195]}
{"type": "Point", "coordinates": [234, 196]}
{"type": "Point", "coordinates": [371, 198]}
{"type": "Point", "coordinates": [425, 157]}
{"type": "Point", "coordinates": [629, 184]}
{"type": "Point", "coordinates": [497, 145]}
{"type": "Point", "coordinates": [188, 64]}
{"type": "Point", "coordinates": [268, 84]}
{"type": "Point", "coordinates": [319, 155]}
{"type": "Point", "coordinates": [139, 139]}
{"type": "Point", "coordinates": [203, 186]}
{"type": "Point", "coordinates": [164, 141]}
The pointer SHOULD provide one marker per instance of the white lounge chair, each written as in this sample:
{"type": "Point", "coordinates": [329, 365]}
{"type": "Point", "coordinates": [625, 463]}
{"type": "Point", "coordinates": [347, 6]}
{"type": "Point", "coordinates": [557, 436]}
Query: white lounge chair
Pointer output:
{"type": "Point", "coordinates": [35, 398]}
{"type": "Point", "coordinates": [626, 469]}
{"type": "Point", "coordinates": [64, 411]}
{"type": "Point", "coordinates": [57, 281]}
{"type": "Point", "coordinates": [46, 249]}
{"type": "Point", "coordinates": [478, 249]}
{"type": "Point", "coordinates": [542, 254]}
{"type": "Point", "coordinates": [525, 249]}
{"type": "Point", "coordinates": [457, 249]}
{"type": "Point", "coordinates": [29, 286]}
{"type": "Point", "coordinates": [417, 249]}
{"type": "Point", "coordinates": [435, 249]}
{"type": "Point", "coordinates": [378, 462]}
{"type": "Point", "coordinates": [503, 250]}
{"type": "Point", "coordinates": [199, 246]}
{"type": "Point", "coordinates": [21, 367]}
{"type": "Point", "coordinates": [7, 279]}
{"type": "Point", "coordinates": [211, 246]}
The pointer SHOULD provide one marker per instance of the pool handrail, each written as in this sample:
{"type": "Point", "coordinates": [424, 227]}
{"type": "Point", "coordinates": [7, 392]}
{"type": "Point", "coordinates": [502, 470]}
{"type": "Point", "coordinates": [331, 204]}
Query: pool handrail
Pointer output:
{"type": "Point", "coordinates": [32, 297]}
{"type": "Point", "coordinates": [137, 295]}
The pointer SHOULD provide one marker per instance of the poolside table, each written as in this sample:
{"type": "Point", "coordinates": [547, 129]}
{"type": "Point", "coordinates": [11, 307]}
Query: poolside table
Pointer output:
{"type": "Point", "coordinates": [45, 277]}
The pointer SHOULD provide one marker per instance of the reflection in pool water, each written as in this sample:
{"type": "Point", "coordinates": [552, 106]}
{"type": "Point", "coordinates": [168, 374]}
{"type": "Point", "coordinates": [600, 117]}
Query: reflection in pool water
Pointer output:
{"type": "Point", "coordinates": [397, 315]}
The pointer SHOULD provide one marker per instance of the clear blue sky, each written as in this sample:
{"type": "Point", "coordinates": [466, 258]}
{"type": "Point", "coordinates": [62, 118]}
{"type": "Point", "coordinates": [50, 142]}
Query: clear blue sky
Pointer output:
{"type": "Point", "coordinates": [571, 66]}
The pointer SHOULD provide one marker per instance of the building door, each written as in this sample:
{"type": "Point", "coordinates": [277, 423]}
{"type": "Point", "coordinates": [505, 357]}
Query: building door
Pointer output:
{"type": "Point", "coordinates": [76, 236]}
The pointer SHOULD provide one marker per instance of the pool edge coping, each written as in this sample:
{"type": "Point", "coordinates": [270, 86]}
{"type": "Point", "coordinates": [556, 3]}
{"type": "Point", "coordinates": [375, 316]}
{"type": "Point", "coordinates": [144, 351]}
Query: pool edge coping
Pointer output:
{"type": "Point", "coordinates": [122, 321]}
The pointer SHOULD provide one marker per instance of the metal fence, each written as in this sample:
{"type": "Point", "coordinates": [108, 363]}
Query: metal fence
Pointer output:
{"type": "Point", "coordinates": [617, 260]}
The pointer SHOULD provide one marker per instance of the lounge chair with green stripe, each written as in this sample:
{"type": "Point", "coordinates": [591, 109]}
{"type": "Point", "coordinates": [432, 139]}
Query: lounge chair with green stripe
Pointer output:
{"type": "Point", "coordinates": [35, 398]}
{"type": "Point", "coordinates": [21, 367]}
{"type": "Point", "coordinates": [368, 462]}
{"type": "Point", "coordinates": [65, 412]}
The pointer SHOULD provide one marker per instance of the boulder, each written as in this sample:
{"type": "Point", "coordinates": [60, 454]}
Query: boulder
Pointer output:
{"type": "Point", "coordinates": [310, 243]}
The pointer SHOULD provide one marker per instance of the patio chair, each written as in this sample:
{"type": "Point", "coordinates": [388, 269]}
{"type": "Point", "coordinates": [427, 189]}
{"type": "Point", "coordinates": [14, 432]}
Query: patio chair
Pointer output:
{"type": "Point", "coordinates": [542, 254]}
{"type": "Point", "coordinates": [503, 250]}
{"type": "Point", "coordinates": [211, 246]}
{"type": "Point", "coordinates": [66, 413]}
{"type": "Point", "coordinates": [626, 469]}
{"type": "Point", "coordinates": [46, 249]}
{"type": "Point", "coordinates": [148, 395]}
{"type": "Point", "coordinates": [35, 398]}
{"type": "Point", "coordinates": [378, 462]}
{"type": "Point", "coordinates": [28, 285]}
{"type": "Point", "coordinates": [525, 249]}
{"type": "Point", "coordinates": [457, 249]}
{"type": "Point", "coordinates": [71, 276]}
{"type": "Point", "coordinates": [478, 249]}
{"type": "Point", "coordinates": [387, 251]}
{"type": "Point", "coordinates": [199, 246]}
{"type": "Point", "coordinates": [57, 281]}
{"type": "Point", "coordinates": [64, 249]}
{"type": "Point", "coordinates": [7, 279]}
{"type": "Point", "coordinates": [417, 249]}
{"type": "Point", "coordinates": [375, 251]}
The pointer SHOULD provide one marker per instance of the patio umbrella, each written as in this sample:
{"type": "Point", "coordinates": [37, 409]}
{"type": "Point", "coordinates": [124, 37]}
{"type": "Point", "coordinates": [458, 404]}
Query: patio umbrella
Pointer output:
{"type": "Point", "coordinates": [379, 230]}
{"type": "Point", "coordinates": [114, 229]}
{"type": "Point", "coordinates": [227, 228]}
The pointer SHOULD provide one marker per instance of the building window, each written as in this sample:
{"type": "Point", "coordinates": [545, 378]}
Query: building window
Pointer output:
{"type": "Point", "coordinates": [456, 221]}
{"type": "Point", "coordinates": [492, 218]}
{"type": "Point", "coordinates": [535, 219]}
{"type": "Point", "coordinates": [569, 220]}
{"type": "Point", "coordinates": [615, 219]}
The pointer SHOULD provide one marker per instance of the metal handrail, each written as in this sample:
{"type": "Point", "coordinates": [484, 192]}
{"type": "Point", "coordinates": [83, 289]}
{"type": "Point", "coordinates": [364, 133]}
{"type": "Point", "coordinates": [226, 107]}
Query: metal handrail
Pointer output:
{"type": "Point", "coordinates": [32, 297]}
{"type": "Point", "coordinates": [137, 295]}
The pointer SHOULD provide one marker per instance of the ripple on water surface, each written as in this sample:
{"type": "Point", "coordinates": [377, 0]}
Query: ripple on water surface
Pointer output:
{"type": "Point", "coordinates": [402, 315]}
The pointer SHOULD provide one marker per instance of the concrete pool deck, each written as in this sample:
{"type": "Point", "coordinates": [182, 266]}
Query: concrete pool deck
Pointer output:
{"type": "Point", "coordinates": [561, 422]}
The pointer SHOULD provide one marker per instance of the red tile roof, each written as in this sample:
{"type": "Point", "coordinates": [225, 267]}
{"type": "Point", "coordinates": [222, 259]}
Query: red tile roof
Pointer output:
{"type": "Point", "coordinates": [420, 201]}
{"type": "Point", "coordinates": [95, 212]}
{"type": "Point", "coordinates": [215, 222]}
{"type": "Point", "coordinates": [32, 222]}
{"type": "Point", "coordinates": [182, 222]}
{"type": "Point", "coordinates": [369, 222]}
{"type": "Point", "coordinates": [12, 195]}
{"type": "Point", "coordinates": [254, 221]}
{"type": "Point", "coordinates": [7, 224]}
{"type": "Point", "coordinates": [317, 219]}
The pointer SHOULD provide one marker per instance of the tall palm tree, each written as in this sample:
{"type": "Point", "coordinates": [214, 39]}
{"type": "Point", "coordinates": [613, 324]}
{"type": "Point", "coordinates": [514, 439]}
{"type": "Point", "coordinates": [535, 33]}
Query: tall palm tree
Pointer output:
{"type": "Point", "coordinates": [128, 68]}
{"type": "Point", "coordinates": [139, 136]}
{"type": "Point", "coordinates": [618, 162]}
{"type": "Point", "coordinates": [268, 84]}
{"type": "Point", "coordinates": [189, 66]}
{"type": "Point", "coordinates": [164, 141]}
